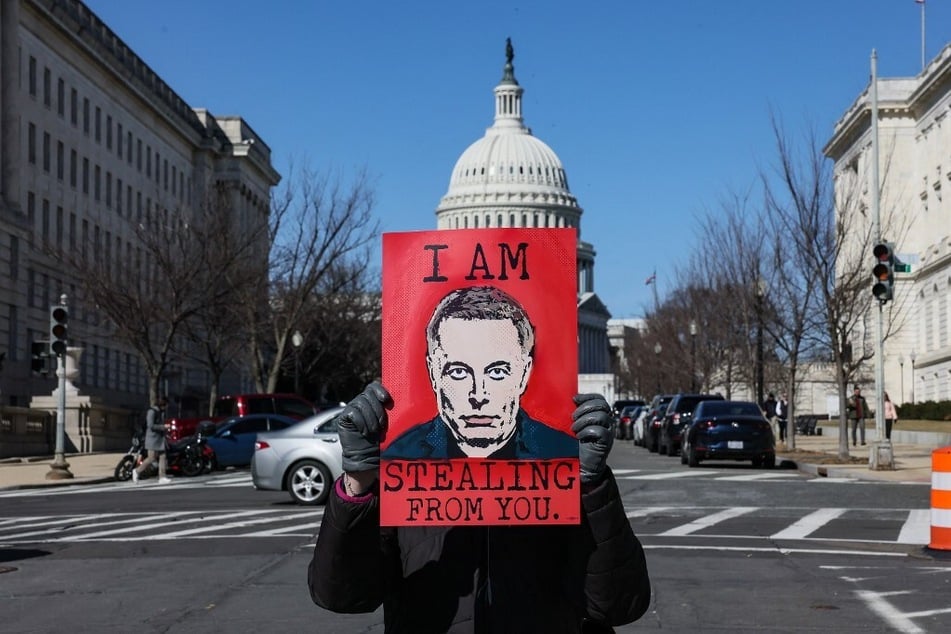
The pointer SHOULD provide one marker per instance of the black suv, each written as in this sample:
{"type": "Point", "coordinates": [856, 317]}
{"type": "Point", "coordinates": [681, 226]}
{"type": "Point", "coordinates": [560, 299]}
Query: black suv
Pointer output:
{"type": "Point", "coordinates": [677, 419]}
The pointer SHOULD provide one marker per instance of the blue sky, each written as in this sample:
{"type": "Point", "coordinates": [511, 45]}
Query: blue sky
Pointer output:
{"type": "Point", "coordinates": [657, 109]}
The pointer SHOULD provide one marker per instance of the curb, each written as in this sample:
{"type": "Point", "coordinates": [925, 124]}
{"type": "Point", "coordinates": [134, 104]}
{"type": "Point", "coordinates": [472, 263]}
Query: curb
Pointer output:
{"type": "Point", "coordinates": [49, 484]}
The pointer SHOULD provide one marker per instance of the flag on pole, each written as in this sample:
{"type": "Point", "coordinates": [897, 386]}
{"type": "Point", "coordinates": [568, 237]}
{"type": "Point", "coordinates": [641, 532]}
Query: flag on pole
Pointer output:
{"type": "Point", "coordinates": [650, 280]}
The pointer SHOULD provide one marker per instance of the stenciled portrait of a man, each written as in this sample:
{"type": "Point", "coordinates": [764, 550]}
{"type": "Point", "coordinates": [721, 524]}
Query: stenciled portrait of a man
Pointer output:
{"type": "Point", "coordinates": [480, 347]}
{"type": "Point", "coordinates": [480, 351]}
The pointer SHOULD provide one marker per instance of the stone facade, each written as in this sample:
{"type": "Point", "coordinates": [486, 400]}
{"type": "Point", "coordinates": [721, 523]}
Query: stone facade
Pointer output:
{"type": "Point", "coordinates": [91, 139]}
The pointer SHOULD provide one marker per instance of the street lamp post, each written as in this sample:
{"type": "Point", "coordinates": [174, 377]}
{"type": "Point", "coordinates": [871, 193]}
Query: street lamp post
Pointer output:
{"type": "Point", "coordinates": [298, 340]}
{"type": "Point", "coordinates": [657, 350]}
{"type": "Point", "coordinates": [693, 355]}
{"type": "Point", "coordinates": [901, 373]}
{"type": "Point", "coordinates": [913, 356]}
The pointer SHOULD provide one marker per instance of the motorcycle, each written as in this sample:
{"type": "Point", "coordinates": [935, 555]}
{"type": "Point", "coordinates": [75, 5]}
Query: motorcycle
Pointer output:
{"type": "Point", "coordinates": [189, 457]}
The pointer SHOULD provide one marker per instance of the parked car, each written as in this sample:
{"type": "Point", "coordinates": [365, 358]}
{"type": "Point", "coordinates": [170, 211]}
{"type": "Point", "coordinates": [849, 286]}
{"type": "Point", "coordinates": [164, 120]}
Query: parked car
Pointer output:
{"type": "Point", "coordinates": [651, 422]}
{"type": "Point", "coordinates": [290, 405]}
{"type": "Point", "coordinates": [729, 430]}
{"type": "Point", "coordinates": [233, 438]}
{"type": "Point", "coordinates": [303, 459]}
{"type": "Point", "coordinates": [624, 402]}
{"type": "Point", "coordinates": [625, 421]}
{"type": "Point", "coordinates": [637, 424]}
{"type": "Point", "coordinates": [678, 416]}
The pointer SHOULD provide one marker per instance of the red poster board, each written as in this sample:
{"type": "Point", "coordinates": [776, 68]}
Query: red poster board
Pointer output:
{"type": "Point", "coordinates": [486, 319]}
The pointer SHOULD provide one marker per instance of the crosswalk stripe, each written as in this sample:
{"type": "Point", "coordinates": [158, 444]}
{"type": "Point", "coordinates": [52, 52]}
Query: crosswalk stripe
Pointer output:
{"type": "Point", "coordinates": [917, 528]}
{"type": "Point", "coordinates": [805, 526]}
{"type": "Point", "coordinates": [154, 525]}
{"type": "Point", "coordinates": [230, 525]}
{"type": "Point", "coordinates": [708, 520]}
{"type": "Point", "coordinates": [304, 523]}
{"type": "Point", "coordinates": [307, 530]}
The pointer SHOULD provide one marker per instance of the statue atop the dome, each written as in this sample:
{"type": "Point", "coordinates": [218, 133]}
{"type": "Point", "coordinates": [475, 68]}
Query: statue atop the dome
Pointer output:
{"type": "Point", "coordinates": [508, 75]}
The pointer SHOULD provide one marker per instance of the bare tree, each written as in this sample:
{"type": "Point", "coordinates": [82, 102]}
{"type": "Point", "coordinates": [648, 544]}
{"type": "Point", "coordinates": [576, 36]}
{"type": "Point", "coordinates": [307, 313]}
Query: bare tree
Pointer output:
{"type": "Point", "coordinates": [796, 198]}
{"type": "Point", "coordinates": [320, 225]}
{"type": "Point", "coordinates": [168, 271]}
{"type": "Point", "coordinates": [826, 235]}
{"type": "Point", "coordinates": [734, 312]}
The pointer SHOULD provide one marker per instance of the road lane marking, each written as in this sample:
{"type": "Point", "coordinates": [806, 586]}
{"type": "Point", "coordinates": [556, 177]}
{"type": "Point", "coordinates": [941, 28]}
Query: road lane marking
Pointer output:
{"type": "Point", "coordinates": [875, 601]}
{"type": "Point", "coordinates": [805, 526]}
{"type": "Point", "coordinates": [780, 551]}
{"type": "Point", "coordinates": [708, 520]}
{"type": "Point", "coordinates": [754, 477]}
{"type": "Point", "coordinates": [642, 512]}
{"type": "Point", "coordinates": [666, 475]}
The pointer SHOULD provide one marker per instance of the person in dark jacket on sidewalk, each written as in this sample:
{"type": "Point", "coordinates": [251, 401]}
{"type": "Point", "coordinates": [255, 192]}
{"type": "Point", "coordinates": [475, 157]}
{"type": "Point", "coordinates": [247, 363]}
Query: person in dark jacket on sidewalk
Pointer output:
{"type": "Point", "coordinates": [466, 579]}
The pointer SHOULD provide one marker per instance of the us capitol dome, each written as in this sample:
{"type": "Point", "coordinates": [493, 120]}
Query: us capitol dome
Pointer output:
{"type": "Point", "coordinates": [510, 178]}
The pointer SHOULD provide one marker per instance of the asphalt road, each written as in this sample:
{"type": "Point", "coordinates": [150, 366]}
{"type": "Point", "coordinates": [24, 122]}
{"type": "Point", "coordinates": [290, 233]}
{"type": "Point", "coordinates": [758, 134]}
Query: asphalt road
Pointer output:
{"type": "Point", "coordinates": [730, 548]}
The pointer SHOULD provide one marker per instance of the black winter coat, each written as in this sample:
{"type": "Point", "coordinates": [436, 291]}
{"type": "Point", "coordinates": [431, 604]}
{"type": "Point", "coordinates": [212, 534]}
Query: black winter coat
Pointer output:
{"type": "Point", "coordinates": [491, 580]}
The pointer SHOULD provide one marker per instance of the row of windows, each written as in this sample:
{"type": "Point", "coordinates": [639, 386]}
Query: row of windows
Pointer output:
{"type": "Point", "coordinates": [558, 174]}
{"type": "Point", "coordinates": [68, 232]}
{"type": "Point", "coordinates": [91, 177]}
{"type": "Point", "coordinates": [104, 128]}
{"type": "Point", "coordinates": [538, 220]}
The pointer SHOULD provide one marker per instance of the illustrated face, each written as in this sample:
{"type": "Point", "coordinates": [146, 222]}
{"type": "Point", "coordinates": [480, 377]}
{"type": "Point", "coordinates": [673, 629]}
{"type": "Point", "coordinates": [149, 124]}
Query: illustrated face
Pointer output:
{"type": "Point", "coordinates": [479, 372]}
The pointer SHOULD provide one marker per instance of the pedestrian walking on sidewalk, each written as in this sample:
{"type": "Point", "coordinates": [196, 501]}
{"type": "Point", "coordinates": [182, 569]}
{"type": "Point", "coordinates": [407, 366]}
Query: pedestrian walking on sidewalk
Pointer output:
{"type": "Point", "coordinates": [857, 411]}
{"type": "Point", "coordinates": [154, 441]}
{"type": "Point", "coordinates": [782, 416]}
{"type": "Point", "coordinates": [891, 416]}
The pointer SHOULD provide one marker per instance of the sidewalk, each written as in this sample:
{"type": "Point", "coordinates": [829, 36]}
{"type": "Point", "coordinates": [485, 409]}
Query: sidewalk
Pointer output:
{"type": "Point", "coordinates": [27, 473]}
{"type": "Point", "coordinates": [912, 463]}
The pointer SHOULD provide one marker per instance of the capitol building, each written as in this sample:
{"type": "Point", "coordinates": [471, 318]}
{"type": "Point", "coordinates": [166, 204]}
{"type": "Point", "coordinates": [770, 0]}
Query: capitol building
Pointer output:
{"type": "Point", "coordinates": [510, 178]}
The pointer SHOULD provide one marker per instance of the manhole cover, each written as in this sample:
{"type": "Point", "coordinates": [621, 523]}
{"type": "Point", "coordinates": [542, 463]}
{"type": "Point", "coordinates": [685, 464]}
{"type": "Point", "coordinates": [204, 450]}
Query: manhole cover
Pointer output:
{"type": "Point", "coordinates": [4, 569]}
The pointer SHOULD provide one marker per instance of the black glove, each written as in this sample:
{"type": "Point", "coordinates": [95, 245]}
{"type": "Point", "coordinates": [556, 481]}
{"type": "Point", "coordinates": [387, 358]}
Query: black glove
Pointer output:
{"type": "Point", "coordinates": [594, 427]}
{"type": "Point", "coordinates": [361, 426]}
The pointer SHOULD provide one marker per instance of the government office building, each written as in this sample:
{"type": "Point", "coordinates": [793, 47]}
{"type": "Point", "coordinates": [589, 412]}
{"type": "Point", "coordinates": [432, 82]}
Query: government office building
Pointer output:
{"type": "Point", "coordinates": [915, 173]}
{"type": "Point", "coordinates": [92, 141]}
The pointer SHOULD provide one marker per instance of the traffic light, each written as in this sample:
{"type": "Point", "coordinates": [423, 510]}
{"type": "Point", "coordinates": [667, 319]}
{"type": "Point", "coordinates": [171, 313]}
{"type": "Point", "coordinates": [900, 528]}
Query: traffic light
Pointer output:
{"type": "Point", "coordinates": [884, 272]}
{"type": "Point", "coordinates": [59, 317]}
{"type": "Point", "coordinates": [38, 357]}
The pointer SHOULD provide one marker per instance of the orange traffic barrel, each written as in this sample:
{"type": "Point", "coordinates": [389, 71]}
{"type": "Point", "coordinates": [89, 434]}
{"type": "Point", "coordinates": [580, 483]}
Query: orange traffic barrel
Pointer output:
{"type": "Point", "coordinates": [941, 499]}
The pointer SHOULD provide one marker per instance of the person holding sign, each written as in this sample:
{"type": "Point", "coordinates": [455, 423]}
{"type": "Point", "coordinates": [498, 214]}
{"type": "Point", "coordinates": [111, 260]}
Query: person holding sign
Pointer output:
{"type": "Point", "coordinates": [553, 579]}
{"type": "Point", "coordinates": [479, 352]}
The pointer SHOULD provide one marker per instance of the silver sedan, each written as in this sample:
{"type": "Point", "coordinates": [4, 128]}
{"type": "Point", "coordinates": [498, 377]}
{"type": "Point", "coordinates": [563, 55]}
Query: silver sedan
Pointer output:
{"type": "Point", "coordinates": [303, 459]}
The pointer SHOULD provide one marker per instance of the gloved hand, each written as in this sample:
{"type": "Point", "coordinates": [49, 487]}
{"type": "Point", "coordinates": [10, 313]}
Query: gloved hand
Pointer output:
{"type": "Point", "coordinates": [361, 426]}
{"type": "Point", "coordinates": [594, 427]}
